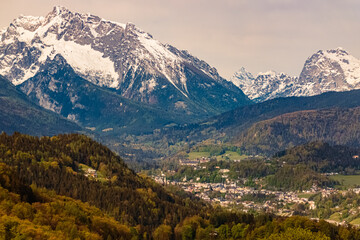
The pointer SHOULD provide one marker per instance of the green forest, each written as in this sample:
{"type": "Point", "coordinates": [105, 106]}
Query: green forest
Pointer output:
{"type": "Point", "coordinates": [44, 194]}
{"type": "Point", "coordinates": [335, 126]}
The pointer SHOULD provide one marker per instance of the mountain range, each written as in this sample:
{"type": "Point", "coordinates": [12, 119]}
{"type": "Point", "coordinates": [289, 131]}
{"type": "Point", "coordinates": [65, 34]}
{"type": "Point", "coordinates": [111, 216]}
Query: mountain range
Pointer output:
{"type": "Point", "coordinates": [113, 81]}
{"type": "Point", "coordinates": [70, 72]}
{"type": "Point", "coordinates": [324, 71]}
{"type": "Point", "coordinates": [118, 57]}
{"type": "Point", "coordinates": [258, 128]}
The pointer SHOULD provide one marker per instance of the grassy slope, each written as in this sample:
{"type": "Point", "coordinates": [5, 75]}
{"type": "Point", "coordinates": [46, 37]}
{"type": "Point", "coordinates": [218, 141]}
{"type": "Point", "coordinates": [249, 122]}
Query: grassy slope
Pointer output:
{"type": "Point", "coordinates": [347, 180]}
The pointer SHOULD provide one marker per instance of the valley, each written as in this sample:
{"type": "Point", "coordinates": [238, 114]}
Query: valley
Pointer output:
{"type": "Point", "coordinates": [46, 181]}
{"type": "Point", "coordinates": [253, 184]}
{"type": "Point", "coordinates": [108, 133]}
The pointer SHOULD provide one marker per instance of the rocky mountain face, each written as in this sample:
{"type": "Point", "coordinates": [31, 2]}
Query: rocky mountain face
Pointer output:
{"type": "Point", "coordinates": [19, 114]}
{"type": "Point", "coordinates": [117, 56]}
{"type": "Point", "coordinates": [264, 86]}
{"type": "Point", "coordinates": [324, 71]}
{"type": "Point", "coordinates": [331, 70]}
{"type": "Point", "coordinates": [57, 87]}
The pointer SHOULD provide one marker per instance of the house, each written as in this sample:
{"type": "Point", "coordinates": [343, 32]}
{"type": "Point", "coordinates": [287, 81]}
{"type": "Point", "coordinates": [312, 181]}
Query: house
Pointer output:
{"type": "Point", "coordinates": [189, 162]}
{"type": "Point", "coordinates": [91, 172]}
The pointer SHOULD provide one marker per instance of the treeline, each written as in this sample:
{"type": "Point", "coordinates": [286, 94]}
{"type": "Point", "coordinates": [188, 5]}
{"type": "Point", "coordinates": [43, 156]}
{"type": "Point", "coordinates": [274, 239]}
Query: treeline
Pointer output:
{"type": "Point", "coordinates": [255, 168]}
{"type": "Point", "coordinates": [303, 166]}
{"type": "Point", "coordinates": [18, 113]}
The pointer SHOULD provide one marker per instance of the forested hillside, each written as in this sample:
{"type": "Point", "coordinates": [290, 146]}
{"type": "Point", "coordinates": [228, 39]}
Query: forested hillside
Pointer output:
{"type": "Point", "coordinates": [54, 163]}
{"type": "Point", "coordinates": [229, 127]}
{"type": "Point", "coordinates": [44, 183]}
{"type": "Point", "coordinates": [50, 216]}
{"type": "Point", "coordinates": [336, 126]}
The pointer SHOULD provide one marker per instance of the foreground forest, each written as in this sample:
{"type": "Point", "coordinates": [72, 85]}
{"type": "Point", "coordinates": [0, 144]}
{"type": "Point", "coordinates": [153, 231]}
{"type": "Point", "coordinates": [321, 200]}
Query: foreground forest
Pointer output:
{"type": "Point", "coordinates": [46, 194]}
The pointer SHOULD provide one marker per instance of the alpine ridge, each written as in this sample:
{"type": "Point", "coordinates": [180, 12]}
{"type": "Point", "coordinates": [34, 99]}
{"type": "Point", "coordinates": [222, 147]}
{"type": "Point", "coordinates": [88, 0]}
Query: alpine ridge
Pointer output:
{"type": "Point", "coordinates": [118, 56]}
{"type": "Point", "coordinates": [325, 71]}
{"type": "Point", "coordinates": [264, 86]}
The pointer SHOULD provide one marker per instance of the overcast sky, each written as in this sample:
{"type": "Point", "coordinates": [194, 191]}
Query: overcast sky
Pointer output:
{"type": "Point", "coordinates": [257, 34]}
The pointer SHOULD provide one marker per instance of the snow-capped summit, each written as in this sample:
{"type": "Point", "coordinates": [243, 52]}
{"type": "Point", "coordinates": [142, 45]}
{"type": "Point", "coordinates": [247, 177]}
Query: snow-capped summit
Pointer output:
{"type": "Point", "coordinates": [270, 73]}
{"type": "Point", "coordinates": [242, 78]}
{"type": "Point", "coordinates": [324, 71]}
{"type": "Point", "coordinates": [114, 55]}
{"type": "Point", "coordinates": [31, 40]}
{"type": "Point", "coordinates": [330, 70]}
{"type": "Point", "coordinates": [264, 86]}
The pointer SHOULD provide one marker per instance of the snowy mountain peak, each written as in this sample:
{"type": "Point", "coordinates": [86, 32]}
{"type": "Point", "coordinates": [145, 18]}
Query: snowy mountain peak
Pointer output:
{"type": "Point", "coordinates": [113, 55]}
{"type": "Point", "coordinates": [88, 36]}
{"type": "Point", "coordinates": [339, 51]}
{"type": "Point", "coordinates": [242, 70]}
{"type": "Point", "coordinates": [29, 23]}
{"type": "Point", "coordinates": [58, 10]}
{"type": "Point", "coordinates": [270, 73]}
{"type": "Point", "coordinates": [264, 86]}
{"type": "Point", "coordinates": [331, 70]}
{"type": "Point", "coordinates": [326, 70]}
{"type": "Point", "coordinates": [241, 78]}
